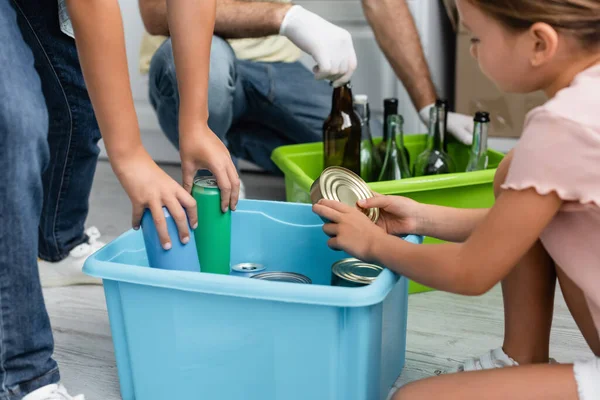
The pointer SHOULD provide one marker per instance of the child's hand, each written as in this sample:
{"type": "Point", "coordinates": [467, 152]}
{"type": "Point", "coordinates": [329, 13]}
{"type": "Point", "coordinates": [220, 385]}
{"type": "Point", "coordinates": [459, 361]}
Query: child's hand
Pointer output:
{"type": "Point", "coordinates": [350, 230]}
{"type": "Point", "coordinates": [397, 215]}
{"type": "Point", "coordinates": [150, 187]}
{"type": "Point", "coordinates": [200, 148]}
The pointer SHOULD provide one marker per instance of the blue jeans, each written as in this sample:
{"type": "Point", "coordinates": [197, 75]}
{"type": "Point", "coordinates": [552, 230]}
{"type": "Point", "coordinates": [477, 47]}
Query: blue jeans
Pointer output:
{"type": "Point", "coordinates": [45, 172]}
{"type": "Point", "coordinates": [254, 107]}
{"type": "Point", "coordinates": [73, 133]}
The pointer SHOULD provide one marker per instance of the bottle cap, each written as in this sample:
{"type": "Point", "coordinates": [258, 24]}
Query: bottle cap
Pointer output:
{"type": "Point", "coordinates": [441, 103]}
{"type": "Point", "coordinates": [390, 105]}
{"type": "Point", "coordinates": [482, 116]}
{"type": "Point", "coordinates": [361, 98]}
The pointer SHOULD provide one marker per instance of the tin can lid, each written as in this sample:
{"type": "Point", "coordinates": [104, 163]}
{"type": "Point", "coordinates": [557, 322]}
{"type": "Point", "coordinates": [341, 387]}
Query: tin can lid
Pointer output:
{"type": "Point", "coordinates": [282, 277]}
{"type": "Point", "coordinates": [206, 182]}
{"type": "Point", "coordinates": [341, 184]}
{"type": "Point", "coordinates": [355, 270]}
{"type": "Point", "coordinates": [248, 267]}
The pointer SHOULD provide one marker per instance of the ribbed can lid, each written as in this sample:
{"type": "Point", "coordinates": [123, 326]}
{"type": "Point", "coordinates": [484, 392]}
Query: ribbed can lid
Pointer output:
{"type": "Point", "coordinates": [355, 270]}
{"type": "Point", "coordinates": [282, 277]}
{"type": "Point", "coordinates": [343, 185]}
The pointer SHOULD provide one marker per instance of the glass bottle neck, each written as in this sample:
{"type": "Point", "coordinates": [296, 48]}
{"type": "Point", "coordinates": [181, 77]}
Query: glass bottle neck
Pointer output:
{"type": "Point", "coordinates": [480, 138]}
{"type": "Point", "coordinates": [435, 140]}
{"type": "Point", "coordinates": [395, 132]}
{"type": "Point", "coordinates": [342, 99]}
{"type": "Point", "coordinates": [363, 112]}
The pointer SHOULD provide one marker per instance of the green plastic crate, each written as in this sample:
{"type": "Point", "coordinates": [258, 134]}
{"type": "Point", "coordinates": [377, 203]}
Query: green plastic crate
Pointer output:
{"type": "Point", "coordinates": [303, 163]}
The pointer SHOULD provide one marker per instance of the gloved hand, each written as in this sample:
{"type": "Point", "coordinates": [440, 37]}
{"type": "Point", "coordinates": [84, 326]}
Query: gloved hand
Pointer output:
{"type": "Point", "coordinates": [459, 125]}
{"type": "Point", "coordinates": [329, 45]}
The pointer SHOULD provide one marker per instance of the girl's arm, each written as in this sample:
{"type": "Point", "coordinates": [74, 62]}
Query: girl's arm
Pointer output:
{"type": "Point", "coordinates": [508, 231]}
{"type": "Point", "coordinates": [512, 226]}
{"type": "Point", "coordinates": [448, 223]}
{"type": "Point", "coordinates": [402, 215]}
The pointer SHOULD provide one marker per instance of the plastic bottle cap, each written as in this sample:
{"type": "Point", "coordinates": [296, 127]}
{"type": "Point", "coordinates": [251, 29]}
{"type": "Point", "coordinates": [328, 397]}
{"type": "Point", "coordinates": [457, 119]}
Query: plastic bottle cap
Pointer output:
{"type": "Point", "coordinates": [482, 116]}
{"type": "Point", "coordinates": [361, 99]}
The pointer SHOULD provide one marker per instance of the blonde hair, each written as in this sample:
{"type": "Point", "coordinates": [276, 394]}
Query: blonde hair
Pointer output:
{"type": "Point", "coordinates": [580, 18]}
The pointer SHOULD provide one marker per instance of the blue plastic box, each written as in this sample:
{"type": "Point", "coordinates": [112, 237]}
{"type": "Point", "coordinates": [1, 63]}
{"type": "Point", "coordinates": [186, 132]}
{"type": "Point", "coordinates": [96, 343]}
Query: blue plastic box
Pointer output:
{"type": "Point", "coordinates": [191, 335]}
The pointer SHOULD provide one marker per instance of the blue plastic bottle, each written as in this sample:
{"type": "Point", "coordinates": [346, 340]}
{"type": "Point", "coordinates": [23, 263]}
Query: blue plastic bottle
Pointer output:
{"type": "Point", "coordinates": [181, 257]}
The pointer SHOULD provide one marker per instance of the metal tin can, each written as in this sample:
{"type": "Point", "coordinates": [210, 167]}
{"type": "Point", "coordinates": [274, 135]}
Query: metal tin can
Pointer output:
{"type": "Point", "coordinates": [341, 184]}
{"type": "Point", "coordinates": [213, 234]}
{"type": "Point", "coordinates": [247, 269]}
{"type": "Point", "coordinates": [181, 257]}
{"type": "Point", "coordinates": [277, 276]}
{"type": "Point", "coordinates": [351, 272]}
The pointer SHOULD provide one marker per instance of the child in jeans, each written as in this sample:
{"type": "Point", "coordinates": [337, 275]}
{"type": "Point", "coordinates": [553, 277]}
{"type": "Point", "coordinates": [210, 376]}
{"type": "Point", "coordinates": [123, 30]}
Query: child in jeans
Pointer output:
{"type": "Point", "coordinates": [32, 61]}
{"type": "Point", "coordinates": [546, 220]}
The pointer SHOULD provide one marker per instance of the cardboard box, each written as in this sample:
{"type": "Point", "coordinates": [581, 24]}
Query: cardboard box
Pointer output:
{"type": "Point", "coordinates": [475, 92]}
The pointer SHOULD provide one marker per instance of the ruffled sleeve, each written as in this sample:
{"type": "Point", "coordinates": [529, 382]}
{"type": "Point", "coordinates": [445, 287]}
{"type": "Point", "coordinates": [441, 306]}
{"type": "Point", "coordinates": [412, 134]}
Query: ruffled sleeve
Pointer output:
{"type": "Point", "coordinates": [557, 154]}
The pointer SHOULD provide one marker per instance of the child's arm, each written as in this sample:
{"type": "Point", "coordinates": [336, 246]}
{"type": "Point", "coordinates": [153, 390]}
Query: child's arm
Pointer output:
{"type": "Point", "coordinates": [100, 43]}
{"type": "Point", "coordinates": [400, 215]}
{"type": "Point", "coordinates": [191, 26]}
{"type": "Point", "coordinates": [511, 227]}
{"type": "Point", "coordinates": [451, 224]}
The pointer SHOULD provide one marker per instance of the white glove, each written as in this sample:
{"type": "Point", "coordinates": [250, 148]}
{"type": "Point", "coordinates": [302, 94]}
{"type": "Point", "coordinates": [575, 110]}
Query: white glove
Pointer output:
{"type": "Point", "coordinates": [329, 45]}
{"type": "Point", "coordinates": [459, 125]}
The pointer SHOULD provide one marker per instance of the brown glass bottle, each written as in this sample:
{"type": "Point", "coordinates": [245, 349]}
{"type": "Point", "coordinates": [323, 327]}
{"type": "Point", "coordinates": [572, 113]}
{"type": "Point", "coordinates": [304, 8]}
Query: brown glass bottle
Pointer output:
{"type": "Point", "coordinates": [342, 132]}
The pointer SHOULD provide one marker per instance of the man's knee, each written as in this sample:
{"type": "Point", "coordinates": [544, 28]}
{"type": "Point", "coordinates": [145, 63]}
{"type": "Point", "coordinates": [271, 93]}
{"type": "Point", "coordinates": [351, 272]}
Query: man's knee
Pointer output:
{"type": "Point", "coordinates": [222, 76]}
{"type": "Point", "coordinates": [162, 76]}
{"type": "Point", "coordinates": [164, 94]}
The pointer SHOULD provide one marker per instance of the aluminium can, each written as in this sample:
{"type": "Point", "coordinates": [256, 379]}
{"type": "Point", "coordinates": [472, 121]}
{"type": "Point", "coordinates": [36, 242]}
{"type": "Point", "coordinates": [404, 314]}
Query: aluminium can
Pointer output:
{"type": "Point", "coordinates": [278, 276]}
{"type": "Point", "coordinates": [182, 257]}
{"type": "Point", "coordinates": [213, 234]}
{"type": "Point", "coordinates": [247, 269]}
{"type": "Point", "coordinates": [352, 272]}
{"type": "Point", "coordinates": [343, 185]}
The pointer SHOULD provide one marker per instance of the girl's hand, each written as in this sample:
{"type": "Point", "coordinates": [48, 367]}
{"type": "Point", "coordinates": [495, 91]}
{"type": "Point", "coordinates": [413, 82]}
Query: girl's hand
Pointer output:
{"type": "Point", "coordinates": [350, 230]}
{"type": "Point", "coordinates": [200, 148]}
{"type": "Point", "coordinates": [150, 187]}
{"type": "Point", "coordinates": [397, 215]}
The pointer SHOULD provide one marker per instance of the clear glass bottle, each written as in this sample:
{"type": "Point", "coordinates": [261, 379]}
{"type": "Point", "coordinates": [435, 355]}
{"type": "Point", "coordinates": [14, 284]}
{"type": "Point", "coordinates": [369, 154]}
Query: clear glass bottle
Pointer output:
{"type": "Point", "coordinates": [390, 107]}
{"type": "Point", "coordinates": [395, 165]}
{"type": "Point", "coordinates": [368, 157]}
{"type": "Point", "coordinates": [478, 159]}
{"type": "Point", "coordinates": [342, 132]}
{"type": "Point", "coordinates": [434, 160]}
{"type": "Point", "coordinates": [442, 106]}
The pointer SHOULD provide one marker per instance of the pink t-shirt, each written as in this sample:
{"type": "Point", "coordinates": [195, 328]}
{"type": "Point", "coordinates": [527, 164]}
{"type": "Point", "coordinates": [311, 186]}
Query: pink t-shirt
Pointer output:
{"type": "Point", "coordinates": [560, 151]}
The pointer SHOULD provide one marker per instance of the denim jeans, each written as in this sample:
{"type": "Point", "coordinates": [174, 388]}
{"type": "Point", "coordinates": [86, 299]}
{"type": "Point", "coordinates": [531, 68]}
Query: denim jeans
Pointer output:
{"type": "Point", "coordinates": [26, 342]}
{"type": "Point", "coordinates": [254, 107]}
{"type": "Point", "coordinates": [73, 133]}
